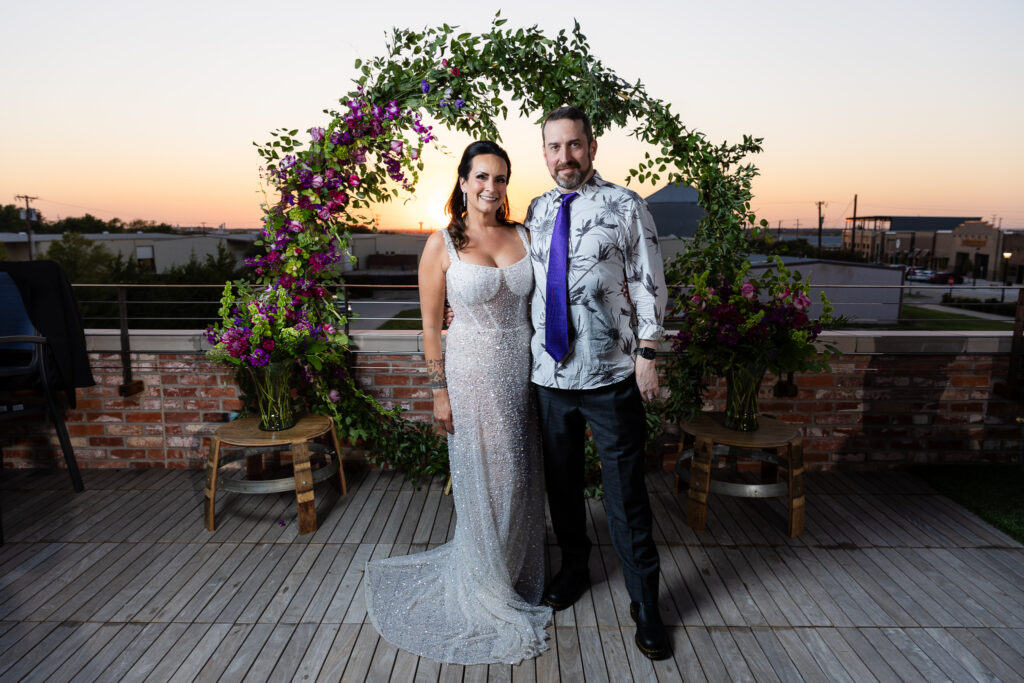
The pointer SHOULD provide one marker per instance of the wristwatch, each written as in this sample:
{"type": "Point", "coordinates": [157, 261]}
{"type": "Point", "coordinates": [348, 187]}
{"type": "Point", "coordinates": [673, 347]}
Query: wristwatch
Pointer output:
{"type": "Point", "coordinates": [646, 353]}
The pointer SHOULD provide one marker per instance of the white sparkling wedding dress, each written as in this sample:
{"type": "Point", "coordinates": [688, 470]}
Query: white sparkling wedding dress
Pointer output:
{"type": "Point", "coordinates": [474, 599]}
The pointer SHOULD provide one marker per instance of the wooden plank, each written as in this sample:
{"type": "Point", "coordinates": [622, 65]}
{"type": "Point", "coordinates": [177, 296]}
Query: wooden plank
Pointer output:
{"type": "Point", "coordinates": [102, 586]}
{"type": "Point", "coordinates": [889, 653]}
{"type": "Point", "coordinates": [731, 655]}
{"type": "Point", "coordinates": [592, 654]}
{"type": "Point", "coordinates": [792, 641]}
{"type": "Point", "coordinates": [828, 660]}
{"type": "Point", "coordinates": [190, 598]}
{"type": "Point", "coordinates": [834, 614]}
{"type": "Point", "coordinates": [702, 599]}
{"type": "Point", "coordinates": [708, 655]}
{"type": "Point", "coordinates": [990, 640]}
{"type": "Point", "coordinates": [354, 502]}
{"type": "Point", "coordinates": [268, 588]}
{"type": "Point", "coordinates": [687, 663]}
{"type": "Point", "coordinates": [383, 663]}
{"type": "Point", "coordinates": [171, 597]}
{"type": "Point", "coordinates": [356, 613]}
{"type": "Point", "coordinates": [229, 605]}
{"type": "Point", "coordinates": [570, 663]}
{"type": "Point", "coordinates": [405, 664]}
{"type": "Point", "coordinates": [272, 655]}
{"type": "Point", "coordinates": [126, 658]}
{"type": "Point", "coordinates": [90, 668]}
{"type": "Point", "coordinates": [854, 640]}
{"type": "Point", "coordinates": [242, 660]}
{"type": "Point", "coordinates": [137, 594]}
{"type": "Point", "coordinates": [25, 602]}
{"type": "Point", "coordinates": [306, 568]}
{"type": "Point", "coordinates": [736, 588]}
{"type": "Point", "coordinates": [759, 594]}
{"type": "Point", "coordinates": [362, 655]}
{"type": "Point", "coordinates": [179, 651]}
{"type": "Point", "coordinates": [838, 586]}
{"type": "Point", "coordinates": [909, 649]}
{"type": "Point", "coordinates": [320, 641]}
{"type": "Point", "coordinates": [152, 656]}
{"type": "Point", "coordinates": [393, 524]}
{"type": "Point", "coordinates": [963, 656]}
{"type": "Point", "coordinates": [938, 656]}
{"type": "Point", "coordinates": [353, 578]}
{"type": "Point", "coordinates": [678, 607]}
{"type": "Point", "coordinates": [959, 590]}
{"type": "Point", "coordinates": [427, 671]}
{"type": "Point", "coordinates": [209, 647]}
{"type": "Point", "coordinates": [48, 653]}
{"type": "Point", "coordinates": [880, 597]}
{"type": "Point", "coordinates": [777, 655]}
{"type": "Point", "coordinates": [339, 652]}
{"type": "Point", "coordinates": [923, 590]}
{"type": "Point", "coordinates": [757, 662]}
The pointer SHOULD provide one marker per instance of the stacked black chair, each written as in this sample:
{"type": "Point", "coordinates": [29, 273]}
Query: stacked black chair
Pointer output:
{"type": "Point", "coordinates": [42, 349]}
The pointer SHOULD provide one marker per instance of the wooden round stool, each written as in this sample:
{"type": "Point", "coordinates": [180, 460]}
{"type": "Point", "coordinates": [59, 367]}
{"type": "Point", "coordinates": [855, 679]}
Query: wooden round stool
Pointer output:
{"type": "Point", "coordinates": [246, 433]}
{"type": "Point", "coordinates": [706, 430]}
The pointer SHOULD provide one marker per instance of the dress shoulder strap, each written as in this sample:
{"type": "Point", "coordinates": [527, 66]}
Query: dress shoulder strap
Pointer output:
{"type": "Point", "coordinates": [453, 254]}
{"type": "Point", "coordinates": [522, 235]}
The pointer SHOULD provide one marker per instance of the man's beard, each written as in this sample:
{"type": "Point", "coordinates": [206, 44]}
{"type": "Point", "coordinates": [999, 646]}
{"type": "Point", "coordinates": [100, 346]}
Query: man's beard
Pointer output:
{"type": "Point", "coordinates": [573, 180]}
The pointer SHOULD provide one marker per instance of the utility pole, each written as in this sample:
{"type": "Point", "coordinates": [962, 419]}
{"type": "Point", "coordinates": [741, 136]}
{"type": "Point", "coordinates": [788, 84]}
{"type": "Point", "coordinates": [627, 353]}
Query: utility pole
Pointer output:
{"type": "Point", "coordinates": [29, 214]}
{"type": "Point", "coordinates": [797, 223]}
{"type": "Point", "coordinates": [853, 240]}
{"type": "Point", "coordinates": [821, 222]}
{"type": "Point", "coordinates": [778, 234]}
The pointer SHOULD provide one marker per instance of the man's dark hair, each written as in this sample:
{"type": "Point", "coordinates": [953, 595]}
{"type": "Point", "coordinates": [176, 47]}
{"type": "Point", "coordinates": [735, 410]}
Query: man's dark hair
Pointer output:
{"type": "Point", "coordinates": [573, 114]}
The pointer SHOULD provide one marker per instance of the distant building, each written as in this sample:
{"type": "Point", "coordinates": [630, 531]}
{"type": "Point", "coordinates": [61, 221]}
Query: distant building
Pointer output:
{"type": "Point", "coordinates": [675, 211]}
{"type": "Point", "coordinates": [155, 252]}
{"type": "Point", "coordinates": [972, 248]}
{"type": "Point", "coordinates": [866, 234]}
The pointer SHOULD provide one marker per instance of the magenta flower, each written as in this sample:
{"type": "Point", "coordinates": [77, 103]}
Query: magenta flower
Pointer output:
{"type": "Point", "coordinates": [396, 146]}
{"type": "Point", "coordinates": [317, 133]}
{"type": "Point", "coordinates": [334, 395]}
{"type": "Point", "coordinates": [802, 302]}
{"type": "Point", "coordinates": [456, 72]}
{"type": "Point", "coordinates": [324, 213]}
{"type": "Point", "coordinates": [317, 181]}
{"type": "Point", "coordinates": [748, 291]}
{"type": "Point", "coordinates": [353, 180]}
{"type": "Point", "coordinates": [340, 197]}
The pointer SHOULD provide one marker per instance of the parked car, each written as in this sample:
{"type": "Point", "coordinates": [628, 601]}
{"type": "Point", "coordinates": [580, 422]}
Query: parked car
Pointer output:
{"type": "Point", "coordinates": [920, 275]}
{"type": "Point", "coordinates": [943, 278]}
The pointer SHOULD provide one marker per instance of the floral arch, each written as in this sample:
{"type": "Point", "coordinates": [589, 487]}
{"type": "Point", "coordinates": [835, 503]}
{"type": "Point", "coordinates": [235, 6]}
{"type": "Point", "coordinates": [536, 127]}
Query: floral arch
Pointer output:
{"type": "Point", "coordinates": [369, 152]}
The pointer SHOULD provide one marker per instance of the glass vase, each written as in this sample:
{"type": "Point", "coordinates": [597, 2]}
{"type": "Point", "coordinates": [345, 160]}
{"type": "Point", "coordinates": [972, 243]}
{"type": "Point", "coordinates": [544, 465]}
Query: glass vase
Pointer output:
{"type": "Point", "coordinates": [742, 383]}
{"type": "Point", "coordinates": [272, 385]}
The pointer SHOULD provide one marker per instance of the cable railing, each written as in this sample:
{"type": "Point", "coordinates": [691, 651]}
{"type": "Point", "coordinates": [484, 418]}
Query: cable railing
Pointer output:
{"type": "Point", "coordinates": [368, 306]}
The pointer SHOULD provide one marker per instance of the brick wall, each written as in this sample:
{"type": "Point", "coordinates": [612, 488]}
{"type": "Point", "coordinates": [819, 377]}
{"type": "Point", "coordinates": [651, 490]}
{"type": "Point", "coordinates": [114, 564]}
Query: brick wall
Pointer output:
{"type": "Point", "coordinates": [875, 409]}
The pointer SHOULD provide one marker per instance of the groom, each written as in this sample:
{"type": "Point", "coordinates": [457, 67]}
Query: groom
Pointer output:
{"type": "Point", "coordinates": [592, 240]}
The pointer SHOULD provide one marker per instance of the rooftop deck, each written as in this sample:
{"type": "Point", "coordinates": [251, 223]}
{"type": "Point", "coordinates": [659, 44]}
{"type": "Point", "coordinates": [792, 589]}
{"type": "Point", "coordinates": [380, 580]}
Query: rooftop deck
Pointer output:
{"type": "Point", "coordinates": [889, 581]}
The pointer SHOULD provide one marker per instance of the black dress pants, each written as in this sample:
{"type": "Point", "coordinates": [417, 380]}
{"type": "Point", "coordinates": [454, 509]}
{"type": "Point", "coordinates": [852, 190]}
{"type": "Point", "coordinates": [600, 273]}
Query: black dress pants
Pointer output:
{"type": "Point", "coordinates": [616, 417]}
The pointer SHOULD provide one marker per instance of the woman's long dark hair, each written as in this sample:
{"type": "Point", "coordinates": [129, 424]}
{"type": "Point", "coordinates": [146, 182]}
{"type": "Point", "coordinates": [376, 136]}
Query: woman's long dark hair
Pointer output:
{"type": "Point", "coordinates": [456, 206]}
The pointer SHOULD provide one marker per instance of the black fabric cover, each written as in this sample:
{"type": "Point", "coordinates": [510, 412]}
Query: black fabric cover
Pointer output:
{"type": "Point", "coordinates": [46, 293]}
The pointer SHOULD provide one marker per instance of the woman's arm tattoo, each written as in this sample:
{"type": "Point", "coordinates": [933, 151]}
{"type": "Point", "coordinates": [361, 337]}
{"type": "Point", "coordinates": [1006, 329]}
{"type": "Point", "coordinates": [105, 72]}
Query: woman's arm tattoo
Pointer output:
{"type": "Point", "coordinates": [435, 373]}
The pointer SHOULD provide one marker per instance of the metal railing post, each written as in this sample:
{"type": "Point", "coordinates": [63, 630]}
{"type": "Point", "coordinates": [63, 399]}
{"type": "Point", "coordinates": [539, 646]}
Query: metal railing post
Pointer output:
{"type": "Point", "coordinates": [129, 387]}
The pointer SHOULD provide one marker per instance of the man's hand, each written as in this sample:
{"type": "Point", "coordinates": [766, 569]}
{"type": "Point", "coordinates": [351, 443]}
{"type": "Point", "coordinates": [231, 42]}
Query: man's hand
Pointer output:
{"type": "Point", "coordinates": [646, 374]}
{"type": "Point", "coordinates": [449, 314]}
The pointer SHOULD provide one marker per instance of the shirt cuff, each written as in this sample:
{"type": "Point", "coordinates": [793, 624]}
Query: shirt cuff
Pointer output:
{"type": "Point", "coordinates": [651, 331]}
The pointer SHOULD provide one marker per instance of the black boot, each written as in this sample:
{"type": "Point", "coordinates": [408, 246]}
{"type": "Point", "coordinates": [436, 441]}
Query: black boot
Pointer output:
{"type": "Point", "coordinates": [651, 637]}
{"type": "Point", "coordinates": [566, 587]}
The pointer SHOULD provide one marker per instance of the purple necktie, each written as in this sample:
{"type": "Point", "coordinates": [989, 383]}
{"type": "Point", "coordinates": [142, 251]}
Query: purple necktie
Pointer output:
{"type": "Point", "coordinates": [556, 322]}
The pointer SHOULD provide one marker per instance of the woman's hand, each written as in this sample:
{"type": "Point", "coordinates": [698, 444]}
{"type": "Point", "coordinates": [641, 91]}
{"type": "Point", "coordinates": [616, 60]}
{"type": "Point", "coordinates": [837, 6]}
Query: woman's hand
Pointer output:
{"type": "Point", "coordinates": [443, 410]}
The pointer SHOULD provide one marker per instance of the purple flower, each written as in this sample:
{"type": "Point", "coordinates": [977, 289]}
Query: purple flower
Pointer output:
{"type": "Point", "coordinates": [294, 226]}
{"type": "Point", "coordinates": [317, 181]}
{"type": "Point", "coordinates": [324, 213]}
{"type": "Point", "coordinates": [317, 133]}
{"type": "Point", "coordinates": [287, 162]}
{"type": "Point", "coordinates": [460, 103]}
{"type": "Point", "coordinates": [414, 153]}
{"type": "Point", "coordinates": [802, 302]}
{"type": "Point", "coordinates": [396, 146]}
{"type": "Point", "coordinates": [424, 86]}
{"type": "Point", "coordinates": [334, 395]}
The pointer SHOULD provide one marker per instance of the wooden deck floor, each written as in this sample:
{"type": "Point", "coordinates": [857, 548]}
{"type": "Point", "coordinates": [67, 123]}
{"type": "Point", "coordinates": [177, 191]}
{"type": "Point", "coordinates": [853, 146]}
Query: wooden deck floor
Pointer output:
{"type": "Point", "coordinates": [890, 581]}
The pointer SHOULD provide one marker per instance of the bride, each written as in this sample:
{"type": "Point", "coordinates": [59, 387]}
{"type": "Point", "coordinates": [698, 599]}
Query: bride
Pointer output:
{"type": "Point", "coordinates": [474, 600]}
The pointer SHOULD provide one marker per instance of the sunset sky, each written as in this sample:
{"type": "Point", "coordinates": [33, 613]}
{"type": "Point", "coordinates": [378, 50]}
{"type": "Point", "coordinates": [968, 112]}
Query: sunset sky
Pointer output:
{"type": "Point", "coordinates": [149, 110]}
